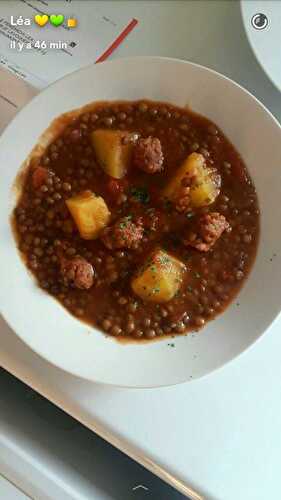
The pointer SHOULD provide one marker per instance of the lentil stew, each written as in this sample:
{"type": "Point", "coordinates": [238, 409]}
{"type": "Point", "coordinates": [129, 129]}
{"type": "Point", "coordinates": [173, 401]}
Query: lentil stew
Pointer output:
{"type": "Point", "coordinates": [139, 217]}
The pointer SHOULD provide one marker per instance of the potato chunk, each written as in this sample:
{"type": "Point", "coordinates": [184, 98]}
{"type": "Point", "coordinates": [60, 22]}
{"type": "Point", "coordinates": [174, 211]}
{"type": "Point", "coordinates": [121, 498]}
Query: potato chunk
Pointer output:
{"type": "Point", "coordinates": [112, 154]}
{"type": "Point", "coordinates": [90, 214]}
{"type": "Point", "coordinates": [160, 278]}
{"type": "Point", "coordinates": [204, 182]}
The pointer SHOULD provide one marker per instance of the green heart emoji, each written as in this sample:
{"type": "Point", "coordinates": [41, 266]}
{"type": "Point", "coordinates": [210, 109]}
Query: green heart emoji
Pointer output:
{"type": "Point", "coordinates": [56, 19]}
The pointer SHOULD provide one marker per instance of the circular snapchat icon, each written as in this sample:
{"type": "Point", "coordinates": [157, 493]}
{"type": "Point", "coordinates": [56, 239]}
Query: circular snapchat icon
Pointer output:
{"type": "Point", "coordinates": [259, 21]}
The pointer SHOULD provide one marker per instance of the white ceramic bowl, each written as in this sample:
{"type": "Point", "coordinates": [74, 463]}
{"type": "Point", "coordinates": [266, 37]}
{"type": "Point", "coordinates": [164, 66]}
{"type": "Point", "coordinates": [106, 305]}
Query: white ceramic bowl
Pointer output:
{"type": "Point", "coordinates": [66, 342]}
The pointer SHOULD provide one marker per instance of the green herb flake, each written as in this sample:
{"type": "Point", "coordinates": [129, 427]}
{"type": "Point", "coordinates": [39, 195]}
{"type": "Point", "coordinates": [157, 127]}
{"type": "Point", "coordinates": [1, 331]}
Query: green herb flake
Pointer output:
{"type": "Point", "coordinates": [125, 222]}
{"type": "Point", "coordinates": [197, 275]}
{"type": "Point", "coordinates": [140, 194]}
{"type": "Point", "coordinates": [168, 206]}
{"type": "Point", "coordinates": [190, 289]}
{"type": "Point", "coordinates": [164, 259]}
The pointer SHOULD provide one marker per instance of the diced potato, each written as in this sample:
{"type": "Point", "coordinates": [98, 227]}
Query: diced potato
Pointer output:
{"type": "Point", "coordinates": [205, 185]}
{"type": "Point", "coordinates": [112, 154]}
{"type": "Point", "coordinates": [160, 278]}
{"type": "Point", "coordinates": [90, 214]}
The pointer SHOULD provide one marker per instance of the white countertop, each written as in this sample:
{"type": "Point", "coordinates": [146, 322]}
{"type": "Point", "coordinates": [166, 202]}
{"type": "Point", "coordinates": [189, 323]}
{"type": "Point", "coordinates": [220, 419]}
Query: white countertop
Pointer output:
{"type": "Point", "coordinates": [219, 435]}
{"type": "Point", "coordinates": [10, 492]}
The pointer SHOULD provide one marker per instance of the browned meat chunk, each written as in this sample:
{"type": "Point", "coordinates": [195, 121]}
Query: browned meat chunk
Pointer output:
{"type": "Point", "coordinates": [210, 228]}
{"type": "Point", "coordinates": [77, 272]}
{"type": "Point", "coordinates": [125, 233]}
{"type": "Point", "coordinates": [148, 155]}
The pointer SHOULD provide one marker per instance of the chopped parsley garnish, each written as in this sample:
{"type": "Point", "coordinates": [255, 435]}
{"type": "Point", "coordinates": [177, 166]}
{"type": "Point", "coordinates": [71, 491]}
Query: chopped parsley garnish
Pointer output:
{"type": "Point", "coordinates": [163, 259]}
{"type": "Point", "coordinates": [140, 194]}
{"type": "Point", "coordinates": [168, 205]}
{"type": "Point", "coordinates": [174, 239]}
{"type": "Point", "coordinates": [125, 221]}
{"type": "Point", "coordinates": [197, 275]}
{"type": "Point", "coordinates": [190, 289]}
